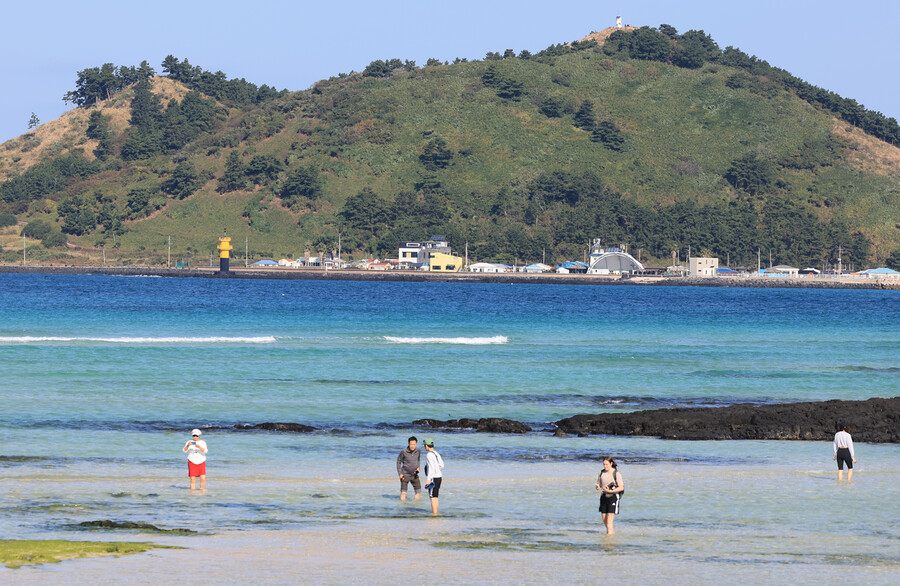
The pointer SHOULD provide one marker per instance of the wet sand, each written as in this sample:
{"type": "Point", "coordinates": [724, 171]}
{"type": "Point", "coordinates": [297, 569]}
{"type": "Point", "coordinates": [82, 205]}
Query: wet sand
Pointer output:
{"type": "Point", "coordinates": [679, 519]}
{"type": "Point", "coordinates": [388, 552]}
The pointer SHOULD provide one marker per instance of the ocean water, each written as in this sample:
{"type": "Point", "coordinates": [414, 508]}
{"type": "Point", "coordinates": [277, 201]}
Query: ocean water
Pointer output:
{"type": "Point", "coordinates": [103, 378]}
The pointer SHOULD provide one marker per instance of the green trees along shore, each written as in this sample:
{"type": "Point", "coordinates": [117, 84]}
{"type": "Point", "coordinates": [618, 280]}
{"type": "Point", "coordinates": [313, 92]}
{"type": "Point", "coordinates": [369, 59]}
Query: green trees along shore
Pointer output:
{"type": "Point", "coordinates": [653, 139]}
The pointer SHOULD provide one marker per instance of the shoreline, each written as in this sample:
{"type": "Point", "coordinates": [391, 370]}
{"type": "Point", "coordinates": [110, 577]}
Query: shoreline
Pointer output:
{"type": "Point", "coordinates": [398, 276]}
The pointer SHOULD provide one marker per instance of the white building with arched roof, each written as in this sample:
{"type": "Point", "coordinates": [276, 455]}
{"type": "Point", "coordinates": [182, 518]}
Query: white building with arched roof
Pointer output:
{"type": "Point", "coordinates": [612, 260]}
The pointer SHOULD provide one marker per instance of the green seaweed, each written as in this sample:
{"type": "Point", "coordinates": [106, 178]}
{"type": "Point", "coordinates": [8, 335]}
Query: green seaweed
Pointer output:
{"type": "Point", "coordinates": [15, 553]}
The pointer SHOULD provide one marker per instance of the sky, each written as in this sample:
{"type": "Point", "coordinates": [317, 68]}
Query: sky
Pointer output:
{"type": "Point", "coordinates": [846, 47]}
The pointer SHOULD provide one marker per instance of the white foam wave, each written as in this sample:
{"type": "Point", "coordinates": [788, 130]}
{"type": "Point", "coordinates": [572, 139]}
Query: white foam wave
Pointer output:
{"type": "Point", "coordinates": [471, 341]}
{"type": "Point", "coordinates": [142, 340]}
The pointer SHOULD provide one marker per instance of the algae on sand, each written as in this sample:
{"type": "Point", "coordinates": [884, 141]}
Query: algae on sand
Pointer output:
{"type": "Point", "coordinates": [18, 552]}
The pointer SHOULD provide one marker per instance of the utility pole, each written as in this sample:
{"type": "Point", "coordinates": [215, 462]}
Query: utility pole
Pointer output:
{"type": "Point", "coordinates": [339, 250]}
{"type": "Point", "coordinates": [169, 258]}
{"type": "Point", "coordinates": [467, 255]}
{"type": "Point", "coordinates": [758, 262]}
{"type": "Point", "coordinates": [23, 250]}
{"type": "Point", "coordinates": [840, 251]}
{"type": "Point", "coordinates": [246, 251]}
{"type": "Point", "coordinates": [770, 258]}
{"type": "Point", "coordinates": [104, 255]}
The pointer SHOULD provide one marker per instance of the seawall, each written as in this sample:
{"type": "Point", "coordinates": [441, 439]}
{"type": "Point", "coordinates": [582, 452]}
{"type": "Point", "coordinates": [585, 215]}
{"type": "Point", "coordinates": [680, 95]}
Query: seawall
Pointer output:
{"type": "Point", "coordinates": [426, 277]}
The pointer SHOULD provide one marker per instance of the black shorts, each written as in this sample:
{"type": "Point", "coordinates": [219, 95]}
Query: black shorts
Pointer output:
{"type": "Point", "coordinates": [417, 484]}
{"type": "Point", "coordinates": [842, 456]}
{"type": "Point", "coordinates": [610, 504]}
{"type": "Point", "coordinates": [435, 487]}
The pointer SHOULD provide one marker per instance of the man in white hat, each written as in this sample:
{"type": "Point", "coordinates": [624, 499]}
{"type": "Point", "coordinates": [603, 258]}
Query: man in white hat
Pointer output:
{"type": "Point", "coordinates": [196, 451]}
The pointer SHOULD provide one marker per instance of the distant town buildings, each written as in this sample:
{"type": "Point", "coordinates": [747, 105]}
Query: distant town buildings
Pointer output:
{"type": "Point", "coordinates": [435, 255]}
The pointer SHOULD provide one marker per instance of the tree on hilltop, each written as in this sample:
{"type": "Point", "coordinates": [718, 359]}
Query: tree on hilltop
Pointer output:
{"type": "Point", "coordinates": [101, 83]}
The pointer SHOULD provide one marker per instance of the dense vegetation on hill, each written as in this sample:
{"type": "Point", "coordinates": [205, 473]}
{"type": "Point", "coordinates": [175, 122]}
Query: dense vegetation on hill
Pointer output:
{"type": "Point", "coordinates": [657, 140]}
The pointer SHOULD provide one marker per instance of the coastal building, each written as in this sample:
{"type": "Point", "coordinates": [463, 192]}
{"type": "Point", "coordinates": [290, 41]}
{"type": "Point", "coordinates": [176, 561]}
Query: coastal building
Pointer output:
{"type": "Point", "coordinates": [538, 267]}
{"type": "Point", "coordinates": [700, 266]}
{"type": "Point", "coordinates": [439, 262]}
{"type": "Point", "coordinates": [780, 271]}
{"type": "Point", "coordinates": [489, 267]}
{"type": "Point", "coordinates": [572, 267]}
{"type": "Point", "coordinates": [881, 273]}
{"type": "Point", "coordinates": [611, 260]}
{"type": "Point", "coordinates": [414, 255]}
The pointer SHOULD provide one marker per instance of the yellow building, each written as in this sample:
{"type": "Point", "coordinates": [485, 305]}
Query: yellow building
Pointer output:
{"type": "Point", "coordinates": [444, 263]}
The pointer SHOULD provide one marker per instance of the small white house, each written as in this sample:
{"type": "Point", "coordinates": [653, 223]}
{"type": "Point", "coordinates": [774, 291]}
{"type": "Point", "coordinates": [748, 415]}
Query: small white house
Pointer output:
{"type": "Point", "coordinates": [538, 267]}
{"type": "Point", "coordinates": [489, 267]}
{"type": "Point", "coordinates": [781, 271]}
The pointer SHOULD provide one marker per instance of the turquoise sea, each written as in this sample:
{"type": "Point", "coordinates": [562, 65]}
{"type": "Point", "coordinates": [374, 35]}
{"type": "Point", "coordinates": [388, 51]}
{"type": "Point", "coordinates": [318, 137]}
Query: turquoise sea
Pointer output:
{"type": "Point", "coordinates": [104, 377]}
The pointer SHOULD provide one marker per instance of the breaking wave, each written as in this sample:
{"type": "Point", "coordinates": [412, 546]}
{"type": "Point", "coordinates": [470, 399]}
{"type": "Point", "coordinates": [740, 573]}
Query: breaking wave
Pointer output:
{"type": "Point", "coordinates": [470, 341]}
{"type": "Point", "coordinates": [142, 340]}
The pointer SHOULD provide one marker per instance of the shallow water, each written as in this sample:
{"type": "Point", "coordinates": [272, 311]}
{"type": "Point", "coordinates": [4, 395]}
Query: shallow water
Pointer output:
{"type": "Point", "coordinates": [105, 376]}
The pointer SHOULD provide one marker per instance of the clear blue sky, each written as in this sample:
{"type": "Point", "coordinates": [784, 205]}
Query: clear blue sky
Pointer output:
{"type": "Point", "coordinates": [847, 47]}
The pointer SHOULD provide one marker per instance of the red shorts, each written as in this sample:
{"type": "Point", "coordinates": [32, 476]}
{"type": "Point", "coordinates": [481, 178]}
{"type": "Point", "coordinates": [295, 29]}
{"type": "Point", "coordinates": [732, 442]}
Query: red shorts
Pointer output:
{"type": "Point", "coordinates": [196, 469]}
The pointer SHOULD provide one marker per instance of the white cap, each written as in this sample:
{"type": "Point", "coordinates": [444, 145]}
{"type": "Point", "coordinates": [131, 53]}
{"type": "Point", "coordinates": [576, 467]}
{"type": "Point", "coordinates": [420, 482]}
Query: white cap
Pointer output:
{"type": "Point", "coordinates": [196, 432]}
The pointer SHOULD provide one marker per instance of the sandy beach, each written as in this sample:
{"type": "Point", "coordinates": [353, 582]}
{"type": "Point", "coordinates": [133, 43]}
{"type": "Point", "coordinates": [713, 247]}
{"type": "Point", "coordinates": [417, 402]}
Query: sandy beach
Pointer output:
{"type": "Point", "coordinates": [714, 533]}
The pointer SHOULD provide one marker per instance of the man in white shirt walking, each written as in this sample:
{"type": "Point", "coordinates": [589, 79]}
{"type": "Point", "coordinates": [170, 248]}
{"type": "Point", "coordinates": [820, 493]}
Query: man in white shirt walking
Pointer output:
{"type": "Point", "coordinates": [843, 453]}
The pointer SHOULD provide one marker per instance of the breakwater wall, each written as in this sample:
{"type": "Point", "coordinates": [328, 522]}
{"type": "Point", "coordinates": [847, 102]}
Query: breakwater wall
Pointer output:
{"type": "Point", "coordinates": [425, 277]}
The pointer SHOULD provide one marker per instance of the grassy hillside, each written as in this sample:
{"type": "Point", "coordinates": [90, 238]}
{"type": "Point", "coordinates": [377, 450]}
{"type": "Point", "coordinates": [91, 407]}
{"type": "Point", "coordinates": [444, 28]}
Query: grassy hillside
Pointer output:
{"type": "Point", "coordinates": [486, 152]}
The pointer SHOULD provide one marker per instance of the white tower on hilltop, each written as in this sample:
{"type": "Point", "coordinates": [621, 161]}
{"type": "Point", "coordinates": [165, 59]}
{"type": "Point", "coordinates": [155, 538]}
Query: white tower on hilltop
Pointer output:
{"type": "Point", "coordinates": [618, 22]}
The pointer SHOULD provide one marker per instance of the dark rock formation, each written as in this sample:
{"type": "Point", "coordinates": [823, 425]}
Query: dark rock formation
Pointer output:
{"type": "Point", "coordinates": [874, 420]}
{"type": "Point", "coordinates": [294, 427]}
{"type": "Point", "coordinates": [489, 425]}
{"type": "Point", "coordinates": [130, 525]}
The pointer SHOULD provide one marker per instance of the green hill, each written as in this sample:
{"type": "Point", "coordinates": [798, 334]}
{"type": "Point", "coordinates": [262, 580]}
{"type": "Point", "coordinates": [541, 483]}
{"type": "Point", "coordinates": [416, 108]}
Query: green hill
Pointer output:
{"type": "Point", "coordinates": [655, 140]}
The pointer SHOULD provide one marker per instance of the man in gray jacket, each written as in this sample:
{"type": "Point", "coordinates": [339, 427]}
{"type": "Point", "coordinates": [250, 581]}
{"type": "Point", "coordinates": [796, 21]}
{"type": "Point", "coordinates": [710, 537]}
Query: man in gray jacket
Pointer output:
{"type": "Point", "coordinates": [408, 468]}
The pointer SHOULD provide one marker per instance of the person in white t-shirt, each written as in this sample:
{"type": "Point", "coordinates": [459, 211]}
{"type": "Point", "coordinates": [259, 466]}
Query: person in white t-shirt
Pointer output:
{"type": "Point", "coordinates": [434, 465]}
{"type": "Point", "coordinates": [196, 451]}
{"type": "Point", "coordinates": [843, 452]}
